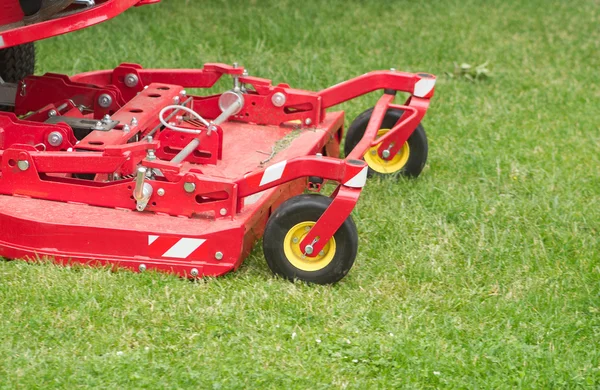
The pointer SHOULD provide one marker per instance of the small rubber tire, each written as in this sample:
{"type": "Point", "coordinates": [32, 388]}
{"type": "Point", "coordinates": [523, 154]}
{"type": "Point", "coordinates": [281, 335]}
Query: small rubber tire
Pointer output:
{"type": "Point", "coordinates": [417, 142]}
{"type": "Point", "coordinates": [16, 63]}
{"type": "Point", "coordinates": [306, 209]}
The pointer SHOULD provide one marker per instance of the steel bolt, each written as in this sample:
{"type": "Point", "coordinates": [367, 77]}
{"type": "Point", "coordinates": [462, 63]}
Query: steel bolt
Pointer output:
{"type": "Point", "coordinates": [183, 92]}
{"type": "Point", "coordinates": [52, 113]}
{"type": "Point", "coordinates": [194, 272]}
{"type": "Point", "coordinates": [373, 152]}
{"type": "Point", "coordinates": [23, 165]}
{"type": "Point", "coordinates": [385, 154]}
{"type": "Point", "coordinates": [176, 99]}
{"type": "Point", "coordinates": [131, 80]}
{"type": "Point", "coordinates": [106, 118]}
{"type": "Point", "coordinates": [278, 99]}
{"type": "Point", "coordinates": [161, 192]}
{"type": "Point", "coordinates": [150, 155]}
{"type": "Point", "coordinates": [322, 253]}
{"type": "Point", "coordinates": [223, 211]}
{"type": "Point", "coordinates": [134, 121]}
{"type": "Point", "coordinates": [189, 187]}
{"type": "Point", "coordinates": [55, 138]}
{"type": "Point", "coordinates": [219, 255]}
{"type": "Point", "coordinates": [126, 129]}
{"type": "Point", "coordinates": [142, 267]}
{"type": "Point", "coordinates": [308, 250]}
{"type": "Point", "coordinates": [98, 125]}
{"type": "Point", "coordinates": [104, 100]}
{"type": "Point", "coordinates": [308, 121]}
{"type": "Point", "coordinates": [295, 240]}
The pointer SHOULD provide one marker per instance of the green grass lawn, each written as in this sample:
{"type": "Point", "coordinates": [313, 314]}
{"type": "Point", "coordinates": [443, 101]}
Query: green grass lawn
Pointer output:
{"type": "Point", "coordinates": [482, 273]}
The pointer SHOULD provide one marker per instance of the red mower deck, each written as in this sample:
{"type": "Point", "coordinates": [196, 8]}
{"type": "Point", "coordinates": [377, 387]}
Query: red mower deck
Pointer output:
{"type": "Point", "coordinates": [204, 245]}
{"type": "Point", "coordinates": [124, 167]}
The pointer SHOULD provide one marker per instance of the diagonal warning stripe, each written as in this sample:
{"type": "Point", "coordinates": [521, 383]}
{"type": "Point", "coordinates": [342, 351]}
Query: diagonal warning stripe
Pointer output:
{"type": "Point", "coordinates": [184, 247]}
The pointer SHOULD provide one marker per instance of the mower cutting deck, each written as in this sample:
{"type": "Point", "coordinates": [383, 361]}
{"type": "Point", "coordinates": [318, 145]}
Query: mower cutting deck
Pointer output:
{"type": "Point", "coordinates": [124, 167]}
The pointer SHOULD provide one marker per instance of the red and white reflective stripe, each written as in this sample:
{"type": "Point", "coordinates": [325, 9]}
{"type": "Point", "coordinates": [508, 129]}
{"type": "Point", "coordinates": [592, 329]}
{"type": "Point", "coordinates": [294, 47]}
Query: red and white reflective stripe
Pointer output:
{"type": "Point", "coordinates": [272, 173]}
{"type": "Point", "coordinates": [359, 180]}
{"type": "Point", "coordinates": [181, 249]}
{"type": "Point", "coordinates": [424, 86]}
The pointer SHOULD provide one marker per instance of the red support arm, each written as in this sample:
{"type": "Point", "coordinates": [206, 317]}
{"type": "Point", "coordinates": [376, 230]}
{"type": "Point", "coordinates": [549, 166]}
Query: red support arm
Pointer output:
{"type": "Point", "coordinates": [342, 171]}
{"type": "Point", "coordinates": [331, 220]}
{"type": "Point", "coordinates": [373, 81]}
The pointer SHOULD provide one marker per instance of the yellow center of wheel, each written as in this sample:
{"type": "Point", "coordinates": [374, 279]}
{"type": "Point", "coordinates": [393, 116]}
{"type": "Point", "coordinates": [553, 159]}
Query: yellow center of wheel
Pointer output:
{"type": "Point", "coordinates": [291, 248]}
{"type": "Point", "coordinates": [390, 165]}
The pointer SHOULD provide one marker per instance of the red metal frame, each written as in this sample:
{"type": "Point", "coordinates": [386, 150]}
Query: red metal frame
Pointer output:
{"type": "Point", "coordinates": [101, 12]}
{"type": "Point", "coordinates": [48, 207]}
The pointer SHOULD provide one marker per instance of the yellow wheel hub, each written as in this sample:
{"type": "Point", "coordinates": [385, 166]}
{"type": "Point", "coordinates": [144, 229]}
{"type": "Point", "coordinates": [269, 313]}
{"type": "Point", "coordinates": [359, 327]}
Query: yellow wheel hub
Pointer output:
{"type": "Point", "coordinates": [291, 247]}
{"type": "Point", "coordinates": [391, 165]}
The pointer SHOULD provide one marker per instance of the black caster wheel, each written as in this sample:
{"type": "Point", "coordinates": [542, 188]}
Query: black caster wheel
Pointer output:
{"type": "Point", "coordinates": [286, 228]}
{"type": "Point", "coordinates": [409, 161]}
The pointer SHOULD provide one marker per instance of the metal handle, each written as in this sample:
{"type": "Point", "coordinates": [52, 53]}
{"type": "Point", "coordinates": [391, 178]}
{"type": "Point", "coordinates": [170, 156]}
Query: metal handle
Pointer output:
{"type": "Point", "coordinates": [142, 191]}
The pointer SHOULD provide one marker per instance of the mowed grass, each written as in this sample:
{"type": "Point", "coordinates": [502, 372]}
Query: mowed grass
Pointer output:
{"type": "Point", "coordinates": [482, 273]}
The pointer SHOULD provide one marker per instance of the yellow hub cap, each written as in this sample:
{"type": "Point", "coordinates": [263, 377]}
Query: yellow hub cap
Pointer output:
{"type": "Point", "coordinates": [391, 165]}
{"type": "Point", "coordinates": [291, 248]}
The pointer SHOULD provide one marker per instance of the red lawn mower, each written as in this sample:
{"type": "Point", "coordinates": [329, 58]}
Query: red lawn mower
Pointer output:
{"type": "Point", "coordinates": [124, 167]}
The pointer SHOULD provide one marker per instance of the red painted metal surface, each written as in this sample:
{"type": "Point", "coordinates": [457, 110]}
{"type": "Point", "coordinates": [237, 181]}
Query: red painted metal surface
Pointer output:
{"type": "Point", "coordinates": [75, 201]}
{"type": "Point", "coordinates": [102, 11]}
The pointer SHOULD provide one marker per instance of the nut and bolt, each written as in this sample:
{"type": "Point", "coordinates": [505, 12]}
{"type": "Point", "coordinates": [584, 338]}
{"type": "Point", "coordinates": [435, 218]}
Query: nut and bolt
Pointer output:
{"type": "Point", "coordinates": [142, 267]}
{"type": "Point", "coordinates": [308, 122]}
{"type": "Point", "coordinates": [105, 100]}
{"type": "Point", "coordinates": [55, 138]}
{"type": "Point", "coordinates": [98, 125]}
{"type": "Point", "coordinates": [106, 118]}
{"type": "Point", "coordinates": [189, 187]}
{"type": "Point", "coordinates": [23, 165]}
{"type": "Point", "coordinates": [134, 122]}
{"type": "Point", "coordinates": [223, 211]}
{"type": "Point", "coordinates": [161, 192]}
{"type": "Point", "coordinates": [385, 154]}
{"type": "Point", "coordinates": [131, 80]}
{"type": "Point", "coordinates": [126, 129]}
{"type": "Point", "coordinates": [219, 255]}
{"type": "Point", "coordinates": [183, 92]}
{"type": "Point", "coordinates": [176, 99]}
{"type": "Point", "coordinates": [308, 249]}
{"type": "Point", "coordinates": [278, 99]}
{"type": "Point", "coordinates": [150, 155]}
{"type": "Point", "coordinates": [194, 272]}
{"type": "Point", "coordinates": [295, 240]}
{"type": "Point", "coordinates": [52, 113]}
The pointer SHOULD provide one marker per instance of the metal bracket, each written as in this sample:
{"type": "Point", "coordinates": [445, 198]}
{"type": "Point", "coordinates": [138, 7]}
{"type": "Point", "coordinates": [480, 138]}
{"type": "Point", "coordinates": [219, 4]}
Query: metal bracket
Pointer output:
{"type": "Point", "coordinates": [84, 124]}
